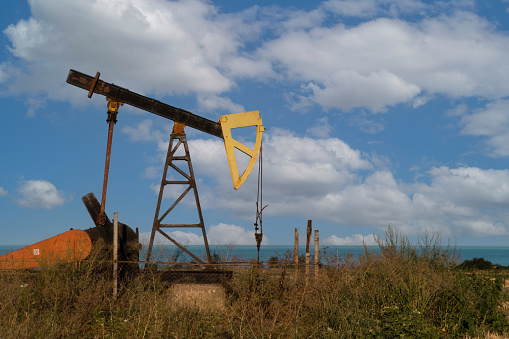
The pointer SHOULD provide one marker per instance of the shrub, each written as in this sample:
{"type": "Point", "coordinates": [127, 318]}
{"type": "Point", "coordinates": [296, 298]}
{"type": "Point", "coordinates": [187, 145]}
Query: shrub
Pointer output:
{"type": "Point", "coordinates": [401, 290]}
{"type": "Point", "coordinates": [476, 264]}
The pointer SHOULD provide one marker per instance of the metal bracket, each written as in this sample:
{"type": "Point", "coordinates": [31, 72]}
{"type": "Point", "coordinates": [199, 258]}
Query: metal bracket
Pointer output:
{"type": "Point", "coordinates": [92, 88]}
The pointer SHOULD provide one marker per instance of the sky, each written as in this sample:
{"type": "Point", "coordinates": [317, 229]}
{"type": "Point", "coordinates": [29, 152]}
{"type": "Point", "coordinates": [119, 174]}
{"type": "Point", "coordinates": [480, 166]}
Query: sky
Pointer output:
{"type": "Point", "coordinates": [377, 113]}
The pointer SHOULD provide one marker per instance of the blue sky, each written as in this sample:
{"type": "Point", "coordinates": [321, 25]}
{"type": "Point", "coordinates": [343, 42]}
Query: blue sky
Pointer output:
{"type": "Point", "coordinates": [377, 112]}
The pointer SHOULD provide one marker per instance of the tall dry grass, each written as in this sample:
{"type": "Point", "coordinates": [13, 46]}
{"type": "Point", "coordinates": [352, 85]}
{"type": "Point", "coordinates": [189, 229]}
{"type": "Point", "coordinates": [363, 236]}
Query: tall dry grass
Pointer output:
{"type": "Point", "coordinates": [401, 290]}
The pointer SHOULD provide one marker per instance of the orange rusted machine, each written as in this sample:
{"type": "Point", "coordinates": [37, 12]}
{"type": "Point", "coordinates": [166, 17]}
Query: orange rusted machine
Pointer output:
{"type": "Point", "coordinates": [75, 245]}
{"type": "Point", "coordinates": [69, 246]}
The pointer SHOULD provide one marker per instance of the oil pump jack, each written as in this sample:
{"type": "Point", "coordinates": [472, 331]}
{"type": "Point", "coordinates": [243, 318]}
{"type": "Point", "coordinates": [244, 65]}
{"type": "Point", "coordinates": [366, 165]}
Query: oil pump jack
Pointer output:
{"type": "Point", "coordinates": [77, 245]}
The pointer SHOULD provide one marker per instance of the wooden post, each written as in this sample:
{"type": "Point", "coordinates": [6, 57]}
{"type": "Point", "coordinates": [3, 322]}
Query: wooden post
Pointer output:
{"type": "Point", "coordinates": [115, 255]}
{"type": "Point", "coordinates": [317, 260]}
{"type": "Point", "coordinates": [296, 252]}
{"type": "Point", "coordinates": [308, 241]}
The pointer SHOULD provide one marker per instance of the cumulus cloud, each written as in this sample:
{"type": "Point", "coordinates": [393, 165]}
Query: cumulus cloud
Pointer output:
{"type": "Point", "coordinates": [215, 103]}
{"type": "Point", "coordinates": [191, 47]}
{"type": "Point", "coordinates": [184, 238]}
{"type": "Point", "coordinates": [321, 129]}
{"type": "Point", "coordinates": [294, 167]}
{"type": "Point", "coordinates": [175, 47]}
{"type": "Point", "coordinates": [326, 179]}
{"type": "Point", "coordinates": [346, 89]}
{"type": "Point", "coordinates": [370, 8]}
{"type": "Point", "coordinates": [464, 200]}
{"type": "Point", "coordinates": [3, 192]}
{"type": "Point", "coordinates": [491, 124]}
{"type": "Point", "coordinates": [386, 61]}
{"type": "Point", "coordinates": [356, 239]}
{"type": "Point", "coordinates": [225, 234]}
{"type": "Point", "coordinates": [142, 131]}
{"type": "Point", "coordinates": [220, 234]}
{"type": "Point", "coordinates": [39, 194]}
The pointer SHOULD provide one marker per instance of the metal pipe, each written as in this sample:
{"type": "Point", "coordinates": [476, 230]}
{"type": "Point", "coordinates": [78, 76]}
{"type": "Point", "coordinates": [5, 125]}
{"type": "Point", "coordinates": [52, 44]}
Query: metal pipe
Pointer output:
{"type": "Point", "coordinates": [111, 120]}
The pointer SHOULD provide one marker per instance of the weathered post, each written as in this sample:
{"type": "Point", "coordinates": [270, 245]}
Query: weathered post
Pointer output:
{"type": "Point", "coordinates": [317, 260]}
{"type": "Point", "coordinates": [308, 241]}
{"type": "Point", "coordinates": [296, 253]}
{"type": "Point", "coordinates": [115, 254]}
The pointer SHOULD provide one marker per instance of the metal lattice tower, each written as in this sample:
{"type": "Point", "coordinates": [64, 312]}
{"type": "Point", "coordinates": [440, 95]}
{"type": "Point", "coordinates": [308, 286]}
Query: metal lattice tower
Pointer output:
{"type": "Point", "coordinates": [180, 140]}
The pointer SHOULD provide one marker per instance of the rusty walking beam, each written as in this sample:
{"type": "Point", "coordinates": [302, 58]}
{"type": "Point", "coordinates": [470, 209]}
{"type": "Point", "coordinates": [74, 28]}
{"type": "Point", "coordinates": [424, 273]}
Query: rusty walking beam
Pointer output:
{"type": "Point", "coordinates": [95, 85]}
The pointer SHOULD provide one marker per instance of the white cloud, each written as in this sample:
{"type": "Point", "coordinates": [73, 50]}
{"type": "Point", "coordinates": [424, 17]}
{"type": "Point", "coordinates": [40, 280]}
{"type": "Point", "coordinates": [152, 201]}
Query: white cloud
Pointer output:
{"type": "Point", "coordinates": [294, 167]}
{"type": "Point", "coordinates": [175, 47]}
{"type": "Point", "coordinates": [39, 194]}
{"type": "Point", "coordinates": [143, 131]}
{"type": "Point", "coordinates": [184, 238]}
{"type": "Point", "coordinates": [220, 234]}
{"type": "Point", "coordinates": [225, 234]}
{"type": "Point", "coordinates": [471, 186]}
{"type": "Point", "coordinates": [321, 129]}
{"type": "Point", "coordinates": [383, 62]}
{"type": "Point", "coordinates": [347, 89]}
{"type": "Point", "coordinates": [3, 192]}
{"type": "Point", "coordinates": [492, 124]}
{"type": "Point", "coordinates": [370, 8]}
{"type": "Point", "coordinates": [465, 200]}
{"type": "Point", "coordinates": [33, 105]}
{"type": "Point", "coordinates": [421, 100]}
{"type": "Point", "coordinates": [356, 239]}
{"type": "Point", "coordinates": [216, 103]}
{"type": "Point", "coordinates": [325, 179]}
{"type": "Point", "coordinates": [191, 47]}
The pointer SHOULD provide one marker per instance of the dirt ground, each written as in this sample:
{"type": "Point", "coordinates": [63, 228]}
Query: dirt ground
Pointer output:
{"type": "Point", "coordinates": [203, 296]}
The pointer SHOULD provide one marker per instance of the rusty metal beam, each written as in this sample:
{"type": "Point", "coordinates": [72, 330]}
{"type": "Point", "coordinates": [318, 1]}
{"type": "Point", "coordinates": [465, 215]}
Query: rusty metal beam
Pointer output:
{"type": "Point", "coordinates": [95, 85]}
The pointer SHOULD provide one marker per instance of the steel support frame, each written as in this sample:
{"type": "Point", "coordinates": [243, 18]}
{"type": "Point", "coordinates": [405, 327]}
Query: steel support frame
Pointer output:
{"type": "Point", "coordinates": [180, 140]}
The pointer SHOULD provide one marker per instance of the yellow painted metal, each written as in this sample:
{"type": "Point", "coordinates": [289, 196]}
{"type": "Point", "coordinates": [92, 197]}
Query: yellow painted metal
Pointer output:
{"type": "Point", "coordinates": [237, 120]}
{"type": "Point", "coordinates": [178, 128]}
{"type": "Point", "coordinates": [113, 105]}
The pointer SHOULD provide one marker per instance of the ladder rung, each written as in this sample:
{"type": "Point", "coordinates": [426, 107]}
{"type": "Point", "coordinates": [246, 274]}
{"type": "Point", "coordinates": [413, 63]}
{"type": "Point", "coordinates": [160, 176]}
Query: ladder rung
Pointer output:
{"type": "Point", "coordinates": [180, 158]}
{"type": "Point", "coordinates": [177, 182]}
{"type": "Point", "coordinates": [180, 225]}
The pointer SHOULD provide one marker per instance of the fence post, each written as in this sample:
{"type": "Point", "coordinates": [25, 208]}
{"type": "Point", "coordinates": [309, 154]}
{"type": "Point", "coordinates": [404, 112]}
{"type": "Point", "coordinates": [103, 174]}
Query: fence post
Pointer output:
{"type": "Point", "coordinates": [308, 240]}
{"type": "Point", "coordinates": [317, 260]}
{"type": "Point", "coordinates": [115, 255]}
{"type": "Point", "coordinates": [296, 253]}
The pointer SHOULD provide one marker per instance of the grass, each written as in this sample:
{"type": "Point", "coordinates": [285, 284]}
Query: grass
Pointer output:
{"type": "Point", "coordinates": [402, 290]}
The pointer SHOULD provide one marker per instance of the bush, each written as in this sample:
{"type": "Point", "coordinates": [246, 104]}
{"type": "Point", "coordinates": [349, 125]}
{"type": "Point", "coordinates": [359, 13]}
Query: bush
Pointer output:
{"type": "Point", "coordinates": [401, 290]}
{"type": "Point", "coordinates": [476, 264]}
{"type": "Point", "coordinates": [471, 303]}
{"type": "Point", "coordinates": [410, 290]}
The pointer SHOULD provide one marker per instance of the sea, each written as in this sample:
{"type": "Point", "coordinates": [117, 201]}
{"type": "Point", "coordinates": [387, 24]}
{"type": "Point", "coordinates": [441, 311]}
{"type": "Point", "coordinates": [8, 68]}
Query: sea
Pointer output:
{"type": "Point", "coordinates": [497, 255]}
